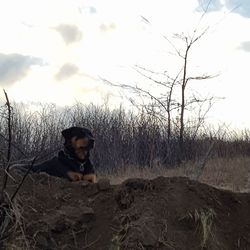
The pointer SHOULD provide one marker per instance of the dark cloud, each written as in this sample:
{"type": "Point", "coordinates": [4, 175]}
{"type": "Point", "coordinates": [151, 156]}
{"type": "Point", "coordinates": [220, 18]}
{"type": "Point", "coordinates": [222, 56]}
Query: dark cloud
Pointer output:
{"type": "Point", "coordinates": [70, 33]}
{"type": "Point", "coordinates": [245, 46]}
{"type": "Point", "coordinates": [209, 5]}
{"type": "Point", "coordinates": [14, 67]}
{"type": "Point", "coordinates": [241, 7]}
{"type": "Point", "coordinates": [66, 71]}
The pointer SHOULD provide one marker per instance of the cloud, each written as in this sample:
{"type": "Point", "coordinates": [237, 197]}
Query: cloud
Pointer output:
{"type": "Point", "coordinates": [70, 33]}
{"type": "Point", "coordinates": [209, 6]}
{"type": "Point", "coordinates": [241, 7]}
{"type": "Point", "coordinates": [107, 27]}
{"type": "Point", "coordinates": [14, 67]}
{"type": "Point", "coordinates": [66, 71]}
{"type": "Point", "coordinates": [87, 10]}
{"type": "Point", "coordinates": [245, 46]}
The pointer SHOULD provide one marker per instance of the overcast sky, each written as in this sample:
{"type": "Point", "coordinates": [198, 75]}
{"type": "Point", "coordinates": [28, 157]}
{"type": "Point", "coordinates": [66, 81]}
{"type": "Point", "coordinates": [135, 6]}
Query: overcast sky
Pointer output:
{"type": "Point", "coordinates": [55, 50]}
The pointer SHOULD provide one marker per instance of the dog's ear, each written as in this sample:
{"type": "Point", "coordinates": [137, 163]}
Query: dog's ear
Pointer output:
{"type": "Point", "coordinates": [70, 132]}
{"type": "Point", "coordinates": [91, 144]}
{"type": "Point", "coordinates": [66, 134]}
{"type": "Point", "coordinates": [77, 131]}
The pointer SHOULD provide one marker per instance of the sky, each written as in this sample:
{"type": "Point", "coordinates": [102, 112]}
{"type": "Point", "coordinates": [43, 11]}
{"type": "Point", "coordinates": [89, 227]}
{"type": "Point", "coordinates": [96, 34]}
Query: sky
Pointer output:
{"type": "Point", "coordinates": [58, 51]}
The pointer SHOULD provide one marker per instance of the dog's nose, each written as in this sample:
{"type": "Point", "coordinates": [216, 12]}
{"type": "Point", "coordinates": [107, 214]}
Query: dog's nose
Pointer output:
{"type": "Point", "coordinates": [82, 148]}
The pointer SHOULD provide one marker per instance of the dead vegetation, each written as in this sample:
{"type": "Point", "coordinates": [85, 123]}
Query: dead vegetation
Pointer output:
{"type": "Point", "coordinates": [204, 220]}
{"type": "Point", "coordinates": [36, 212]}
{"type": "Point", "coordinates": [10, 211]}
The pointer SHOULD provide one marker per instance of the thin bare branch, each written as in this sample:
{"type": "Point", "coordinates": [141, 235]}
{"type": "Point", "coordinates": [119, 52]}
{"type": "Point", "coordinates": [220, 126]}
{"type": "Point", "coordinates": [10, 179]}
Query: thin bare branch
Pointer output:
{"type": "Point", "coordinates": [23, 179]}
{"type": "Point", "coordinates": [164, 84]}
{"type": "Point", "coordinates": [9, 125]}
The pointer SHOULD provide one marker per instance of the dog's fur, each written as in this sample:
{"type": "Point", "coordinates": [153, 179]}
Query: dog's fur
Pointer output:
{"type": "Point", "coordinates": [79, 145]}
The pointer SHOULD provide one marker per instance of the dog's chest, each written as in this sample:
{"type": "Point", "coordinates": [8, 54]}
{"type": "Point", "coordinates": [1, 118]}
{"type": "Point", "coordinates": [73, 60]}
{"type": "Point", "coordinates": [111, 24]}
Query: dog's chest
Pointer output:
{"type": "Point", "coordinates": [82, 166]}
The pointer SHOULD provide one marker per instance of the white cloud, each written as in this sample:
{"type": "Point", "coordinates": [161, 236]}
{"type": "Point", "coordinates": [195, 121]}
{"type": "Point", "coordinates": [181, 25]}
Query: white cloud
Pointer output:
{"type": "Point", "coordinates": [69, 32]}
{"type": "Point", "coordinates": [245, 46]}
{"type": "Point", "coordinates": [241, 7]}
{"type": "Point", "coordinates": [208, 5]}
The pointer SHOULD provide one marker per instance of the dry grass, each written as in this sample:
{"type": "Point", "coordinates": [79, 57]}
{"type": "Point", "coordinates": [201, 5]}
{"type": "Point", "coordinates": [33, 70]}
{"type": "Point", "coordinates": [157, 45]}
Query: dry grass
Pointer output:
{"type": "Point", "coordinates": [232, 174]}
{"type": "Point", "coordinates": [204, 219]}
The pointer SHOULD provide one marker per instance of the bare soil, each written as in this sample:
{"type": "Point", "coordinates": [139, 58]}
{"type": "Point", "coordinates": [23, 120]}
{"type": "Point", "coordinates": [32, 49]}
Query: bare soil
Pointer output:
{"type": "Point", "coordinates": [163, 213]}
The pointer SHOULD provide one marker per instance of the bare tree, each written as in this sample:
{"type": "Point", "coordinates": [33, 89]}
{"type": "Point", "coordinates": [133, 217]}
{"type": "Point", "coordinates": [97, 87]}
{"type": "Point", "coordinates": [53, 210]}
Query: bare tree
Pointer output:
{"type": "Point", "coordinates": [158, 105]}
{"type": "Point", "coordinates": [186, 79]}
{"type": "Point", "coordinates": [166, 101]}
{"type": "Point", "coordinates": [173, 90]}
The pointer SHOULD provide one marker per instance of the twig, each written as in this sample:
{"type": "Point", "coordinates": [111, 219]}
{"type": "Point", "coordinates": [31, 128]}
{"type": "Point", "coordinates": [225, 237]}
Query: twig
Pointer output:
{"type": "Point", "coordinates": [9, 126]}
{"type": "Point", "coordinates": [203, 162]}
{"type": "Point", "coordinates": [5, 177]}
{"type": "Point", "coordinates": [91, 243]}
{"type": "Point", "coordinates": [24, 177]}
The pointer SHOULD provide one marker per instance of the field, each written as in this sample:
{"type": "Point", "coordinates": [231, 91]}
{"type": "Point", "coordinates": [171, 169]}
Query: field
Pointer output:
{"type": "Point", "coordinates": [142, 212]}
{"type": "Point", "coordinates": [150, 194]}
{"type": "Point", "coordinates": [122, 97]}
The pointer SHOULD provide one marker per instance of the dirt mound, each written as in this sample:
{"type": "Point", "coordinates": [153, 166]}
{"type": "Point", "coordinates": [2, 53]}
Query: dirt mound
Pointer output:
{"type": "Point", "coordinates": [164, 213]}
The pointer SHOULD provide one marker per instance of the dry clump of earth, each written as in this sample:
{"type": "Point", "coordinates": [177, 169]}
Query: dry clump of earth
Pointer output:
{"type": "Point", "coordinates": [163, 213]}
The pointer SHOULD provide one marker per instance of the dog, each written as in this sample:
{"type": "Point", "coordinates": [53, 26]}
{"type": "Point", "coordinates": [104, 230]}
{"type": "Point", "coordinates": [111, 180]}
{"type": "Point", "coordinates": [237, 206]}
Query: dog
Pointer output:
{"type": "Point", "coordinates": [73, 161]}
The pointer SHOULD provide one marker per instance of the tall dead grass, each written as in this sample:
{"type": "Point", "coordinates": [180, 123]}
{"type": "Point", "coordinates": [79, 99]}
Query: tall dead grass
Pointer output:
{"type": "Point", "coordinates": [122, 137]}
{"type": "Point", "coordinates": [129, 145]}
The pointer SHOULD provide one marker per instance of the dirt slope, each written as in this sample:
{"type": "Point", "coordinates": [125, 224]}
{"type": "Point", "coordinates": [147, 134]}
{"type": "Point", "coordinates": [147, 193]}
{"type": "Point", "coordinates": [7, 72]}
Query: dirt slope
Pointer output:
{"type": "Point", "coordinates": [164, 213]}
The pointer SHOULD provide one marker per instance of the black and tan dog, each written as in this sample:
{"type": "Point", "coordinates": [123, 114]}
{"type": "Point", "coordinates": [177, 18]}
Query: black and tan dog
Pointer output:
{"type": "Point", "coordinates": [73, 161]}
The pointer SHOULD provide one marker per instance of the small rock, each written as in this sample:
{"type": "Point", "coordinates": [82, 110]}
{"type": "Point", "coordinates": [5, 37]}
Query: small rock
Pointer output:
{"type": "Point", "coordinates": [84, 214]}
{"type": "Point", "coordinates": [92, 189]}
{"type": "Point", "coordinates": [104, 184]}
{"type": "Point", "coordinates": [82, 183]}
{"type": "Point", "coordinates": [124, 198]}
{"type": "Point", "coordinates": [87, 214]}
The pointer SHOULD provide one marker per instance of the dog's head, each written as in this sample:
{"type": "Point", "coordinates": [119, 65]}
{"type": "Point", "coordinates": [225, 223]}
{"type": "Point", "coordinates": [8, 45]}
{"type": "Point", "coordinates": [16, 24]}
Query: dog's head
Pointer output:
{"type": "Point", "coordinates": [80, 146]}
{"type": "Point", "coordinates": [79, 140]}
